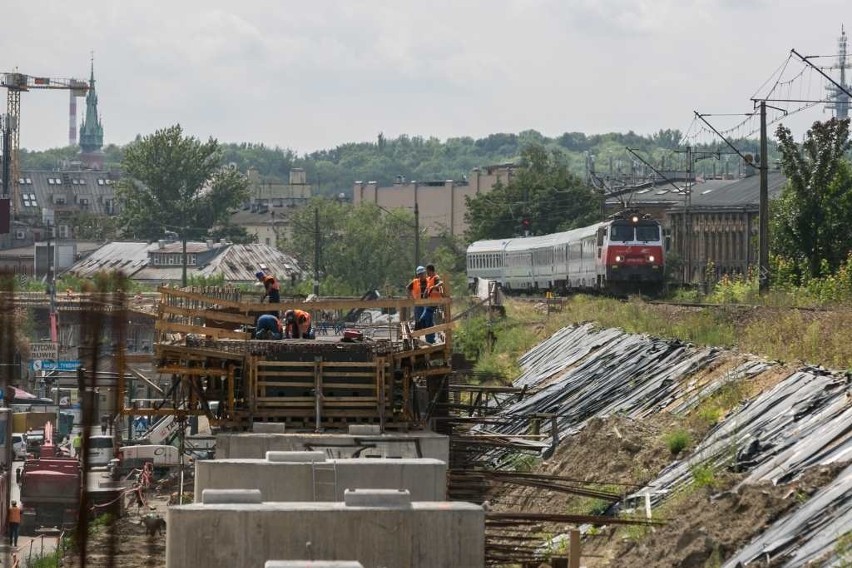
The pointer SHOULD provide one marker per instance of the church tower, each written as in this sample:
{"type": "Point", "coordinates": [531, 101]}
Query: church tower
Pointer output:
{"type": "Point", "coordinates": [92, 131]}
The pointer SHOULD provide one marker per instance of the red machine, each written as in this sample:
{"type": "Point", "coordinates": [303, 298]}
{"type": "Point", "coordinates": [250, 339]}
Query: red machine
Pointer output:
{"type": "Point", "coordinates": [50, 488]}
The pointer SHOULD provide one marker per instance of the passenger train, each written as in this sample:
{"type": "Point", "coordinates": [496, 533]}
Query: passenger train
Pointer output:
{"type": "Point", "coordinates": [621, 255]}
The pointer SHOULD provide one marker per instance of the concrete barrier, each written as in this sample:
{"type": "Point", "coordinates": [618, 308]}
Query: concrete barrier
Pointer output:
{"type": "Point", "coordinates": [425, 479]}
{"type": "Point", "coordinates": [254, 445]}
{"type": "Point", "coordinates": [399, 498]}
{"type": "Point", "coordinates": [312, 564]}
{"type": "Point", "coordinates": [425, 535]}
{"type": "Point", "coordinates": [230, 496]}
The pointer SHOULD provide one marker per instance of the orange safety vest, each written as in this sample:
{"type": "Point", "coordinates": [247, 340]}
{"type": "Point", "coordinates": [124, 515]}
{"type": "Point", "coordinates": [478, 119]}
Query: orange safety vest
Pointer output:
{"type": "Point", "coordinates": [270, 283]}
{"type": "Point", "coordinates": [417, 292]}
{"type": "Point", "coordinates": [303, 320]}
{"type": "Point", "coordinates": [433, 281]}
{"type": "Point", "coordinates": [14, 515]}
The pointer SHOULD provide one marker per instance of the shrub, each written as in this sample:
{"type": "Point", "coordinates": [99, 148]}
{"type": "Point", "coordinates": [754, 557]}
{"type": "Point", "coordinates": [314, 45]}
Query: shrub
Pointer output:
{"type": "Point", "coordinates": [677, 441]}
{"type": "Point", "coordinates": [703, 476]}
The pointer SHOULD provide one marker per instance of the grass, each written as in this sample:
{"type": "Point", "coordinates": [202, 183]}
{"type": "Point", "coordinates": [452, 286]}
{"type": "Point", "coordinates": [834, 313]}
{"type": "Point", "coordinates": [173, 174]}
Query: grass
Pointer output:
{"type": "Point", "coordinates": [820, 337]}
{"type": "Point", "coordinates": [677, 441]}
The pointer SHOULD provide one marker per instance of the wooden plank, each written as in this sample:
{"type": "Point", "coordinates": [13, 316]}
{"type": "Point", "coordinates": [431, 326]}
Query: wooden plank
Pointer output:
{"type": "Point", "coordinates": [432, 372]}
{"type": "Point", "coordinates": [309, 364]}
{"type": "Point", "coordinates": [433, 329]}
{"type": "Point", "coordinates": [327, 386]}
{"type": "Point", "coordinates": [209, 314]}
{"type": "Point", "coordinates": [194, 371]}
{"type": "Point", "coordinates": [197, 296]}
{"type": "Point", "coordinates": [218, 333]}
{"type": "Point", "coordinates": [322, 304]}
{"type": "Point", "coordinates": [297, 374]}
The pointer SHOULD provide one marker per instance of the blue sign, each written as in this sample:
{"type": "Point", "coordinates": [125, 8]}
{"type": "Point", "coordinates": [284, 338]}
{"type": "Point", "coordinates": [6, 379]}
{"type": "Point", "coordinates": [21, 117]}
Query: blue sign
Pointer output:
{"type": "Point", "coordinates": [50, 365]}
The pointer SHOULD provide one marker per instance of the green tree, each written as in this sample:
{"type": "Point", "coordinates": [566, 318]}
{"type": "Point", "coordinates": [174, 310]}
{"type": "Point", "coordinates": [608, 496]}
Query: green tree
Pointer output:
{"type": "Point", "coordinates": [176, 183]}
{"type": "Point", "coordinates": [361, 248]}
{"type": "Point", "coordinates": [811, 221]}
{"type": "Point", "coordinates": [543, 192]}
{"type": "Point", "coordinates": [88, 226]}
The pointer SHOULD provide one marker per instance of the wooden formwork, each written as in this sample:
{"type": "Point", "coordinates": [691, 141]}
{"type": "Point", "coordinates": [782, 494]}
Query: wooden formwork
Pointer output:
{"type": "Point", "coordinates": [321, 384]}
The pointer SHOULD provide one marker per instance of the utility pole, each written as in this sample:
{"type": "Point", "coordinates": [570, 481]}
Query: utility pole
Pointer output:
{"type": "Point", "coordinates": [763, 207]}
{"type": "Point", "coordinates": [416, 234]}
{"type": "Point", "coordinates": [687, 198]}
{"type": "Point", "coordinates": [316, 251]}
{"type": "Point", "coordinates": [5, 200]}
{"type": "Point", "coordinates": [51, 287]}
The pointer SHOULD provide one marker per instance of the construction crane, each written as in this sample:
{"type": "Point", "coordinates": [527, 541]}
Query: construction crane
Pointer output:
{"type": "Point", "coordinates": [16, 83]}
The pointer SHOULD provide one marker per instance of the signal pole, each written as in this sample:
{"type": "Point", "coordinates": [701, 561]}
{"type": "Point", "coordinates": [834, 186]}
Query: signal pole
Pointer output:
{"type": "Point", "coordinates": [316, 251]}
{"type": "Point", "coordinates": [763, 207]}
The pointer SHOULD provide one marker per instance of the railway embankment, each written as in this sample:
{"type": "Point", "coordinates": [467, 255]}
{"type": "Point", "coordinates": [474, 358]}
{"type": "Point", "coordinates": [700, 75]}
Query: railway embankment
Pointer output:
{"type": "Point", "coordinates": [742, 456]}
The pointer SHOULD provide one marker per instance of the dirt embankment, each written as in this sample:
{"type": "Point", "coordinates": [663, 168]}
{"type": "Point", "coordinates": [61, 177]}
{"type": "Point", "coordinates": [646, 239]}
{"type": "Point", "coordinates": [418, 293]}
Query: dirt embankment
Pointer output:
{"type": "Point", "coordinates": [703, 525]}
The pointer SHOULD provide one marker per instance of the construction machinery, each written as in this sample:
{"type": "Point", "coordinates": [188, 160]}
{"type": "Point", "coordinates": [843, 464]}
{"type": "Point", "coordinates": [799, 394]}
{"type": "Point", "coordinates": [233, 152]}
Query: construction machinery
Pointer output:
{"type": "Point", "coordinates": [50, 488]}
{"type": "Point", "coordinates": [17, 83]}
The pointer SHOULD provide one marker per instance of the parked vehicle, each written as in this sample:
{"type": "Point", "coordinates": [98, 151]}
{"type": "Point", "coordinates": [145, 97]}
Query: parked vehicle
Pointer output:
{"type": "Point", "coordinates": [19, 445]}
{"type": "Point", "coordinates": [35, 439]}
{"type": "Point", "coordinates": [101, 450]}
{"type": "Point", "coordinates": [50, 489]}
{"type": "Point", "coordinates": [163, 459]}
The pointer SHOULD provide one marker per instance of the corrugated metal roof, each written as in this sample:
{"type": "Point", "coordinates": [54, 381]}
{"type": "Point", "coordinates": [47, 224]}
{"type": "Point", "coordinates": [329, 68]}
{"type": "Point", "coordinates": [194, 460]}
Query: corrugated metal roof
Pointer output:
{"type": "Point", "coordinates": [740, 193]}
{"type": "Point", "coordinates": [236, 263]}
{"type": "Point", "coordinates": [129, 257]}
{"type": "Point", "coordinates": [239, 263]}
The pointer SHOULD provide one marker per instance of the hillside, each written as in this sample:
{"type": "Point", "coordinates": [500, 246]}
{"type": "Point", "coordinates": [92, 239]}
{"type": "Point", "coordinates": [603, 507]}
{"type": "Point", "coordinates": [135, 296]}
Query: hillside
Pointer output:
{"type": "Point", "coordinates": [743, 459]}
{"type": "Point", "coordinates": [334, 170]}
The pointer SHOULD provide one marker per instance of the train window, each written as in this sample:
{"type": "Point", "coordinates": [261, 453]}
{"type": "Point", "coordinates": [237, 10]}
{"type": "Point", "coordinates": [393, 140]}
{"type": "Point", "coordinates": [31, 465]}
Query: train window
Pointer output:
{"type": "Point", "coordinates": [647, 233]}
{"type": "Point", "coordinates": [601, 235]}
{"type": "Point", "coordinates": [621, 233]}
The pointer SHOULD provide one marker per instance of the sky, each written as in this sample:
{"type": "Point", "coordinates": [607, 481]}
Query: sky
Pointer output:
{"type": "Point", "coordinates": [311, 75]}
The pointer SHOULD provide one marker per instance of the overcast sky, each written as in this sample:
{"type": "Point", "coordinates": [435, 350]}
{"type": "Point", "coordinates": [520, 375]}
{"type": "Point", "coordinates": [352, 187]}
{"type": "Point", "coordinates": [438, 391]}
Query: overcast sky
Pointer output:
{"type": "Point", "coordinates": [310, 75]}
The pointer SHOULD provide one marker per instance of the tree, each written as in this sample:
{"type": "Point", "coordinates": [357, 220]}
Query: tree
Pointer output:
{"type": "Point", "coordinates": [543, 196]}
{"type": "Point", "coordinates": [361, 248]}
{"type": "Point", "coordinates": [176, 183]}
{"type": "Point", "coordinates": [811, 221]}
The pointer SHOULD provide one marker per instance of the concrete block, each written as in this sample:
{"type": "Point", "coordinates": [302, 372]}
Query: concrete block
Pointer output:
{"type": "Point", "coordinates": [295, 457]}
{"type": "Point", "coordinates": [377, 498]}
{"type": "Point", "coordinates": [268, 427]}
{"type": "Point", "coordinates": [312, 564]}
{"type": "Point", "coordinates": [426, 535]}
{"type": "Point", "coordinates": [253, 445]}
{"type": "Point", "coordinates": [365, 429]}
{"type": "Point", "coordinates": [425, 479]}
{"type": "Point", "coordinates": [232, 496]}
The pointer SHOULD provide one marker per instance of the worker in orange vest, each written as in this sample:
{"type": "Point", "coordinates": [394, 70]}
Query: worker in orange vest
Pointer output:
{"type": "Point", "coordinates": [297, 325]}
{"type": "Point", "coordinates": [14, 517]}
{"type": "Point", "coordinates": [272, 289]}
{"type": "Point", "coordinates": [436, 285]}
{"type": "Point", "coordinates": [420, 288]}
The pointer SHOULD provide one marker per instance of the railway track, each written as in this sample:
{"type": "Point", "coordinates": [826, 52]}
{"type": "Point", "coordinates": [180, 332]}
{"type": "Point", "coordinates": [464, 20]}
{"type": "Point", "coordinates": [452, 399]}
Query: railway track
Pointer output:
{"type": "Point", "coordinates": [697, 305]}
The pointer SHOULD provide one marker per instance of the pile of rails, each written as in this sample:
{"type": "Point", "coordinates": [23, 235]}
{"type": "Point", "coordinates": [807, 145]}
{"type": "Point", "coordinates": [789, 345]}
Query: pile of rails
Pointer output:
{"type": "Point", "coordinates": [203, 342]}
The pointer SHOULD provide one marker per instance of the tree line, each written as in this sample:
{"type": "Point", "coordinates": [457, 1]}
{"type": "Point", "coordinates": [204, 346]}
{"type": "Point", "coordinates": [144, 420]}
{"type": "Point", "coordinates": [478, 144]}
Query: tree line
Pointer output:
{"type": "Point", "coordinates": [177, 183]}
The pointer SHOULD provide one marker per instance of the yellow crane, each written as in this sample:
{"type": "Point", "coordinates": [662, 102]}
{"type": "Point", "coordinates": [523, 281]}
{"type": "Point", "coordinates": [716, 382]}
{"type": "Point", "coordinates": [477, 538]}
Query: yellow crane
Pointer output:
{"type": "Point", "coordinates": [17, 83]}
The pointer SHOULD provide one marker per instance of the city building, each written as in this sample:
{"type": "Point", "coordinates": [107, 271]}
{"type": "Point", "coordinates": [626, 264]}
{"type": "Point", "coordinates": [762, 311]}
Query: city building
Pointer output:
{"type": "Point", "coordinates": [440, 205]}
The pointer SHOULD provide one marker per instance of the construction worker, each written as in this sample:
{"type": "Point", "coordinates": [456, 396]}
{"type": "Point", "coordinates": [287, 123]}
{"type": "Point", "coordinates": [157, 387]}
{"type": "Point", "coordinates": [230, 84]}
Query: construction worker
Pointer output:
{"type": "Point", "coordinates": [14, 516]}
{"type": "Point", "coordinates": [272, 289]}
{"type": "Point", "coordinates": [436, 285]}
{"type": "Point", "coordinates": [77, 444]}
{"type": "Point", "coordinates": [268, 327]}
{"type": "Point", "coordinates": [297, 325]}
{"type": "Point", "coordinates": [419, 289]}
